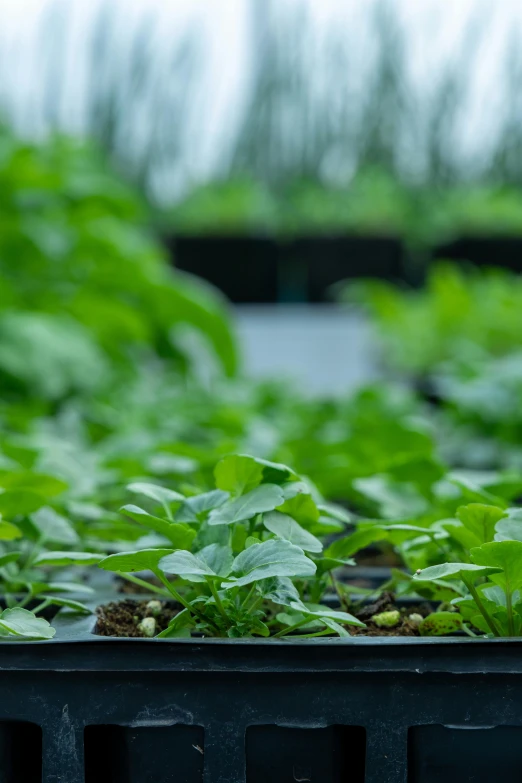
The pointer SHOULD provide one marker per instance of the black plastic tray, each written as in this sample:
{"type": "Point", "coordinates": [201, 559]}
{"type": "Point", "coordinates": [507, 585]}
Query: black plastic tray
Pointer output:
{"type": "Point", "coordinates": [330, 259]}
{"type": "Point", "coordinates": [244, 268]}
{"type": "Point", "coordinates": [388, 710]}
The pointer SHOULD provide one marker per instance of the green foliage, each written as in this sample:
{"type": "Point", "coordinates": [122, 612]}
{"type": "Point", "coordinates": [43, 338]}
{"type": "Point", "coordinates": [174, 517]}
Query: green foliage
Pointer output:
{"type": "Point", "coordinates": [90, 289]}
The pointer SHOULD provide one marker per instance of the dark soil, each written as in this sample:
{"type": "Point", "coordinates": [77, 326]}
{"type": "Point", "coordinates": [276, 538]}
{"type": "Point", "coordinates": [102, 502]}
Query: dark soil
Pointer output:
{"type": "Point", "coordinates": [386, 603]}
{"type": "Point", "coordinates": [121, 618]}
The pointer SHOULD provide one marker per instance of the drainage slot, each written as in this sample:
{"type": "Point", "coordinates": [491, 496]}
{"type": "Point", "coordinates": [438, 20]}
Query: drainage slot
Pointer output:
{"type": "Point", "coordinates": [438, 754]}
{"type": "Point", "coordinates": [334, 754]}
{"type": "Point", "coordinates": [20, 752]}
{"type": "Point", "coordinates": [163, 754]}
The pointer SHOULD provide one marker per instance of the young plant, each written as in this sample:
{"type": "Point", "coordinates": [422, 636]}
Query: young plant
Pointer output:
{"type": "Point", "coordinates": [240, 553]}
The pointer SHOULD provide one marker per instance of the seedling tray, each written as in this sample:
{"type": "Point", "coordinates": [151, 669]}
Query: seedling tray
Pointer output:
{"type": "Point", "coordinates": [244, 268]}
{"type": "Point", "coordinates": [389, 710]}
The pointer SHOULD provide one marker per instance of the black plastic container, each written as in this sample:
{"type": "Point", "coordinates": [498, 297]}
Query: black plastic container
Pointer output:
{"type": "Point", "coordinates": [483, 251]}
{"type": "Point", "coordinates": [359, 710]}
{"type": "Point", "coordinates": [329, 259]}
{"type": "Point", "coordinates": [245, 269]}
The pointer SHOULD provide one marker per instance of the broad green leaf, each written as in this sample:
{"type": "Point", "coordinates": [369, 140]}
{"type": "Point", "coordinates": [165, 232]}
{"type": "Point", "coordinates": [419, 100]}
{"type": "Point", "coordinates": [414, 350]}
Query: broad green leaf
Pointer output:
{"type": "Point", "coordinates": [480, 521]}
{"type": "Point", "coordinates": [285, 527]}
{"type": "Point", "coordinates": [394, 499]}
{"type": "Point", "coordinates": [9, 557]}
{"type": "Point", "coordinates": [67, 558]}
{"type": "Point", "coordinates": [17, 624]}
{"type": "Point", "coordinates": [350, 545]}
{"type": "Point", "coordinates": [180, 535]}
{"type": "Point", "coordinates": [19, 502]}
{"type": "Point", "coordinates": [275, 472]}
{"type": "Point", "coordinates": [473, 491]}
{"type": "Point", "coordinates": [335, 511]}
{"type": "Point", "coordinates": [504, 555]}
{"type": "Point", "coordinates": [213, 561]}
{"type": "Point", "coordinates": [213, 534]}
{"type": "Point", "coordinates": [302, 508]}
{"type": "Point", "coordinates": [193, 509]}
{"type": "Point", "coordinates": [510, 528]}
{"type": "Point", "coordinates": [274, 557]}
{"type": "Point", "coordinates": [440, 624]}
{"type": "Point", "coordinates": [325, 526]}
{"type": "Point", "coordinates": [320, 611]}
{"type": "Point", "coordinates": [142, 560]}
{"type": "Point", "coordinates": [266, 497]}
{"type": "Point", "coordinates": [67, 603]}
{"type": "Point", "coordinates": [455, 571]}
{"type": "Point", "coordinates": [325, 564]}
{"type": "Point", "coordinates": [60, 587]}
{"type": "Point", "coordinates": [39, 483]}
{"type": "Point", "coordinates": [238, 474]}
{"type": "Point", "coordinates": [154, 492]}
{"type": "Point", "coordinates": [8, 531]}
{"type": "Point", "coordinates": [278, 589]}
{"type": "Point", "coordinates": [54, 527]}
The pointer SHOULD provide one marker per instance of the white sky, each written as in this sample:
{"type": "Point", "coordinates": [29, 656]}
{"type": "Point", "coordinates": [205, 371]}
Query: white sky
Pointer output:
{"type": "Point", "coordinates": [31, 54]}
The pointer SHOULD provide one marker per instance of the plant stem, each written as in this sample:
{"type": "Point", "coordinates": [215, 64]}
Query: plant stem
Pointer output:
{"type": "Point", "coordinates": [509, 608]}
{"type": "Point", "coordinates": [42, 606]}
{"type": "Point", "coordinates": [482, 609]}
{"type": "Point", "coordinates": [142, 583]}
{"type": "Point", "coordinates": [290, 628]}
{"type": "Point", "coordinates": [249, 596]}
{"type": "Point", "coordinates": [468, 630]}
{"type": "Point", "coordinates": [217, 599]}
{"type": "Point", "coordinates": [253, 607]}
{"type": "Point", "coordinates": [179, 598]}
{"type": "Point", "coordinates": [336, 588]}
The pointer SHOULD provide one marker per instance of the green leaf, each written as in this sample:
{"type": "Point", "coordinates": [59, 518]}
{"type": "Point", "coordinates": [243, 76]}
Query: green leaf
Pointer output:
{"type": "Point", "coordinates": [9, 557]}
{"type": "Point", "coordinates": [19, 502]}
{"type": "Point", "coordinates": [194, 508]}
{"type": "Point", "coordinates": [510, 528]}
{"type": "Point", "coordinates": [322, 612]}
{"type": "Point", "coordinates": [8, 531]}
{"type": "Point", "coordinates": [142, 560]}
{"type": "Point", "coordinates": [263, 498]}
{"type": "Point", "coordinates": [278, 589]}
{"type": "Point", "coordinates": [440, 624]}
{"type": "Point", "coordinates": [350, 545]}
{"type": "Point", "coordinates": [238, 474]}
{"type": "Point", "coordinates": [285, 527]}
{"type": "Point", "coordinates": [213, 561]}
{"type": "Point", "coordinates": [39, 483]}
{"type": "Point", "coordinates": [480, 521]}
{"type": "Point", "coordinates": [505, 556]}
{"type": "Point", "coordinates": [335, 511]}
{"type": "Point", "coordinates": [67, 603]}
{"type": "Point", "coordinates": [155, 492]}
{"type": "Point", "coordinates": [17, 624]}
{"type": "Point", "coordinates": [275, 472]}
{"type": "Point", "coordinates": [54, 527]}
{"type": "Point", "coordinates": [275, 557]}
{"type": "Point", "coordinates": [455, 571]}
{"type": "Point", "coordinates": [394, 499]}
{"type": "Point", "coordinates": [302, 508]}
{"type": "Point", "coordinates": [180, 535]}
{"type": "Point", "coordinates": [473, 491]}
{"type": "Point", "coordinates": [67, 558]}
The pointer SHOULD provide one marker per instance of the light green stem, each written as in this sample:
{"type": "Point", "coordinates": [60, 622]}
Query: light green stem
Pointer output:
{"type": "Point", "coordinates": [482, 609]}
{"type": "Point", "coordinates": [290, 628]}
{"type": "Point", "coordinates": [217, 599]}
{"type": "Point", "coordinates": [249, 596]}
{"type": "Point", "coordinates": [142, 583]}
